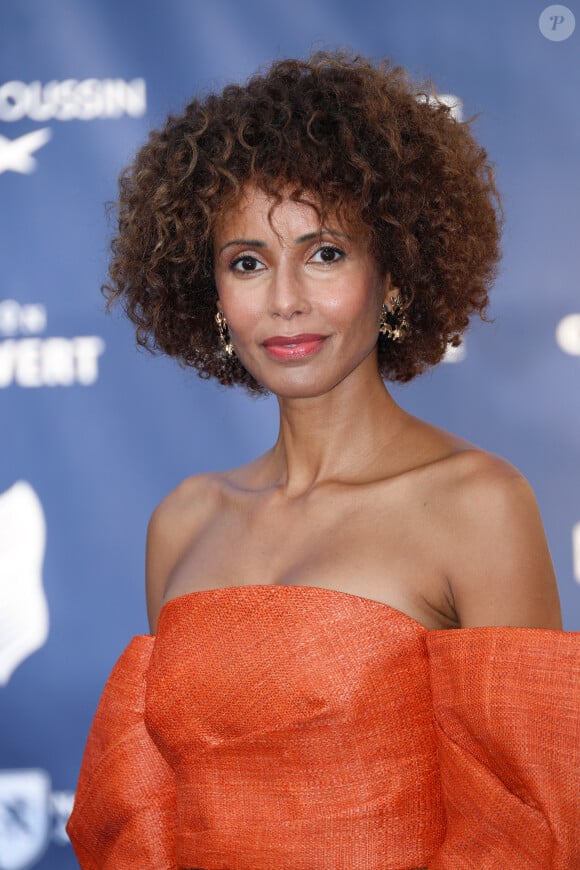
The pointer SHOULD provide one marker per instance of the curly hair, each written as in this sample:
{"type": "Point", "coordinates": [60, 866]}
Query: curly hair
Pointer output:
{"type": "Point", "coordinates": [367, 145]}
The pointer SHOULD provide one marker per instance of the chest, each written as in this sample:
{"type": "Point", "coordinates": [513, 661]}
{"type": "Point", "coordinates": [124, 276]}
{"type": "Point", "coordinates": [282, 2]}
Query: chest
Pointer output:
{"type": "Point", "coordinates": [363, 540]}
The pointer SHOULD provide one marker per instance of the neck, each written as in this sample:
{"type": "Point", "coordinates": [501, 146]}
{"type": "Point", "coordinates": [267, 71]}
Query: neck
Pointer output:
{"type": "Point", "coordinates": [340, 436]}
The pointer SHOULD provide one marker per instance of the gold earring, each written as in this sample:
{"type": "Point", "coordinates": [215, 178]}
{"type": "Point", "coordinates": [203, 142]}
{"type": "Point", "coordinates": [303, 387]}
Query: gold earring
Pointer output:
{"type": "Point", "coordinates": [222, 326]}
{"type": "Point", "coordinates": [393, 323]}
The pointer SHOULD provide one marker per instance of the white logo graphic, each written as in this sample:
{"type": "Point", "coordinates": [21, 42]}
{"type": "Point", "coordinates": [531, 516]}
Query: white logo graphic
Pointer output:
{"type": "Point", "coordinates": [455, 354]}
{"type": "Point", "coordinates": [557, 23]}
{"type": "Point", "coordinates": [25, 319]}
{"type": "Point", "coordinates": [450, 100]}
{"type": "Point", "coordinates": [23, 607]}
{"type": "Point", "coordinates": [24, 817]}
{"type": "Point", "coordinates": [16, 154]}
{"type": "Point", "coordinates": [454, 103]}
{"type": "Point", "coordinates": [72, 99]}
{"type": "Point", "coordinates": [50, 362]}
{"type": "Point", "coordinates": [568, 334]}
{"type": "Point", "coordinates": [54, 361]}
{"type": "Point", "coordinates": [576, 551]}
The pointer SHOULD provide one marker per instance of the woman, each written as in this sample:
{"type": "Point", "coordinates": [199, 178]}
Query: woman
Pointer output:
{"type": "Point", "coordinates": [301, 702]}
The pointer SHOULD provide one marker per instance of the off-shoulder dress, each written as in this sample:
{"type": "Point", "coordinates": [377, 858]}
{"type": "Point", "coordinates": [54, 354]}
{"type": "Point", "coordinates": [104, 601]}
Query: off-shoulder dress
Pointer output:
{"type": "Point", "coordinates": [300, 728]}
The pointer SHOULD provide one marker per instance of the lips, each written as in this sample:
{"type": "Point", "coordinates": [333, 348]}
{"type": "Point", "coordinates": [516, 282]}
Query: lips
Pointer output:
{"type": "Point", "coordinates": [289, 340]}
{"type": "Point", "coordinates": [294, 347]}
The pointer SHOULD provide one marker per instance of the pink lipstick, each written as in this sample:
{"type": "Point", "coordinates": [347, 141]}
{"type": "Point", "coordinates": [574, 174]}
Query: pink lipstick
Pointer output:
{"type": "Point", "coordinates": [294, 347]}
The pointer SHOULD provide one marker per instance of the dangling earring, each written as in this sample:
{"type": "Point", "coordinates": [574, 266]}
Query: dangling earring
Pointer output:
{"type": "Point", "coordinates": [222, 326]}
{"type": "Point", "coordinates": [394, 323]}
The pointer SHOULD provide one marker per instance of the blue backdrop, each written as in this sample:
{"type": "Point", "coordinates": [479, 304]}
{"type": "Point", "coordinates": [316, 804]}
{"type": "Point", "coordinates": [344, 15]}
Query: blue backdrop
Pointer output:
{"type": "Point", "coordinates": [93, 433]}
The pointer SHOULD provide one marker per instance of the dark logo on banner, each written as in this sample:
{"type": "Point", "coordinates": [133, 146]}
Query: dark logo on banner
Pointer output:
{"type": "Point", "coordinates": [31, 817]}
{"type": "Point", "coordinates": [24, 815]}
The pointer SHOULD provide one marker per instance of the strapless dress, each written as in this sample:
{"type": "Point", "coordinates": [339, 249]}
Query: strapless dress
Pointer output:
{"type": "Point", "coordinates": [301, 728]}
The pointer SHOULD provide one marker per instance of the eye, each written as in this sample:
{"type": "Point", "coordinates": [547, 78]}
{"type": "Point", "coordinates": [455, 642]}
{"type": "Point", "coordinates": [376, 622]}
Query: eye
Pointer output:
{"type": "Point", "coordinates": [327, 254]}
{"type": "Point", "coordinates": [246, 264]}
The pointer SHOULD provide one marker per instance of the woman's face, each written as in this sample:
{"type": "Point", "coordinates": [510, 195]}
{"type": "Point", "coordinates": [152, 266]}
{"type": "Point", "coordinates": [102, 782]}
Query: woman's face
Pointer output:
{"type": "Point", "coordinates": [302, 302]}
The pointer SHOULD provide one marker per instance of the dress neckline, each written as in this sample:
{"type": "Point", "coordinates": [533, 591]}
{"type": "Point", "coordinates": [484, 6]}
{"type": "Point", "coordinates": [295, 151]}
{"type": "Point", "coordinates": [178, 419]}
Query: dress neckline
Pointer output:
{"type": "Point", "coordinates": [289, 589]}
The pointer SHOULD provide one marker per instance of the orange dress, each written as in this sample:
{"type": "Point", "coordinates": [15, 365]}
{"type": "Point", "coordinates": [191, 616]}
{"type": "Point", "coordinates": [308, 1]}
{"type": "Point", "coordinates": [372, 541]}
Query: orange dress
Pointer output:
{"type": "Point", "coordinates": [301, 728]}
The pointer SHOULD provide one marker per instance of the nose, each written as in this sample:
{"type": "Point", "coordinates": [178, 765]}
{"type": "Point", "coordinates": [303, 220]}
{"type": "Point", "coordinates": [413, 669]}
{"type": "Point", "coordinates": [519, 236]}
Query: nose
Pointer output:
{"type": "Point", "coordinates": [288, 291]}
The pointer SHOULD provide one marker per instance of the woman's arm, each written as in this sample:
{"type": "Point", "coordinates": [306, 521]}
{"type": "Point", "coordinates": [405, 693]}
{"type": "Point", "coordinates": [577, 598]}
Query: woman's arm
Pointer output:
{"type": "Point", "coordinates": [501, 571]}
{"type": "Point", "coordinates": [173, 527]}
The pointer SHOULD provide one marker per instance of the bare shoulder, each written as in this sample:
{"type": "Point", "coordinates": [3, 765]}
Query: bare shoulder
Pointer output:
{"type": "Point", "coordinates": [484, 485]}
{"type": "Point", "coordinates": [174, 523]}
{"type": "Point", "coordinates": [501, 571]}
{"type": "Point", "coordinates": [479, 463]}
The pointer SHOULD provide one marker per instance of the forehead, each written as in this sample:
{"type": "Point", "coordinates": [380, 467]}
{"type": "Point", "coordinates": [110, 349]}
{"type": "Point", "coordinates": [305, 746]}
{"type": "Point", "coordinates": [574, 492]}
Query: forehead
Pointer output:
{"type": "Point", "coordinates": [268, 213]}
{"type": "Point", "coordinates": [286, 212]}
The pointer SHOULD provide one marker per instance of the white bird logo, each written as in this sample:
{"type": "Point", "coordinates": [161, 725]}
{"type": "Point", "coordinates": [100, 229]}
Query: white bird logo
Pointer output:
{"type": "Point", "coordinates": [16, 154]}
{"type": "Point", "coordinates": [24, 619]}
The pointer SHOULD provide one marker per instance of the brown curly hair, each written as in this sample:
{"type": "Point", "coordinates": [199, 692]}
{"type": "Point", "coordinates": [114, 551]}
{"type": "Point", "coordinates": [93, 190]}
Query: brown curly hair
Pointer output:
{"type": "Point", "coordinates": [363, 141]}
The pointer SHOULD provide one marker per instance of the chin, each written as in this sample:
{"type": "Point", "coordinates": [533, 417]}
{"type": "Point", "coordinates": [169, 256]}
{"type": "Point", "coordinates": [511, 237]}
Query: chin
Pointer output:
{"type": "Point", "coordinates": [297, 382]}
{"type": "Point", "coordinates": [306, 389]}
{"type": "Point", "coordinates": [299, 393]}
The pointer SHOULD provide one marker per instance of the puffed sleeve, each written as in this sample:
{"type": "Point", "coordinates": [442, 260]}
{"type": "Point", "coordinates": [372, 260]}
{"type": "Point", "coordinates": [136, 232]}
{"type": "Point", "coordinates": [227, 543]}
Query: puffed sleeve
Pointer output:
{"type": "Point", "coordinates": [507, 714]}
{"type": "Point", "coordinates": [124, 811]}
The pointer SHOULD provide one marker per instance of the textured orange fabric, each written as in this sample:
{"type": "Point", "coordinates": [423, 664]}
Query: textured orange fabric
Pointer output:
{"type": "Point", "coordinates": [300, 728]}
{"type": "Point", "coordinates": [507, 704]}
{"type": "Point", "coordinates": [124, 814]}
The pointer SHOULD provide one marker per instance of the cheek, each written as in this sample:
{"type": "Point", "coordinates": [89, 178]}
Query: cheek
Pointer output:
{"type": "Point", "coordinates": [243, 314]}
{"type": "Point", "coordinates": [237, 303]}
{"type": "Point", "coordinates": [355, 304]}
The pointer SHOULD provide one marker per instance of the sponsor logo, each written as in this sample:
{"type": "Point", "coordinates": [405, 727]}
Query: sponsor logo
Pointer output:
{"type": "Point", "coordinates": [71, 99]}
{"type": "Point", "coordinates": [568, 334]}
{"type": "Point", "coordinates": [68, 100]}
{"type": "Point", "coordinates": [26, 319]}
{"type": "Point", "coordinates": [31, 817]}
{"type": "Point", "coordinates": [27, 360]}
{"type": "Point", "coordinates": [50, 362]}
{"type": "Point", "coordinates": [23, 607]}
{"type": "Point", "coordinates": [16, 154]}
{"type": "Point", "coordinates": [24, 807]}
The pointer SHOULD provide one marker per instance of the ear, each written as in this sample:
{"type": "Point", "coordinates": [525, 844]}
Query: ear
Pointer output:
{"type": "Point", "coordinates": [390, 291]}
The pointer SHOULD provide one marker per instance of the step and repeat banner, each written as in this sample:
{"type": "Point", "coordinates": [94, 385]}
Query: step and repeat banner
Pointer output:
{"type": "Point", "coordinates": [94, 433]}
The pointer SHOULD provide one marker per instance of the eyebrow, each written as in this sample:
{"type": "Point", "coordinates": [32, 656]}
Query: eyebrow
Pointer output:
{"type": "Point", "coordinates": [249, 243]}
{"type": "Point", "coordinates": [316, 235]}
{"type": "Point", "coordinates": [256, 243]}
